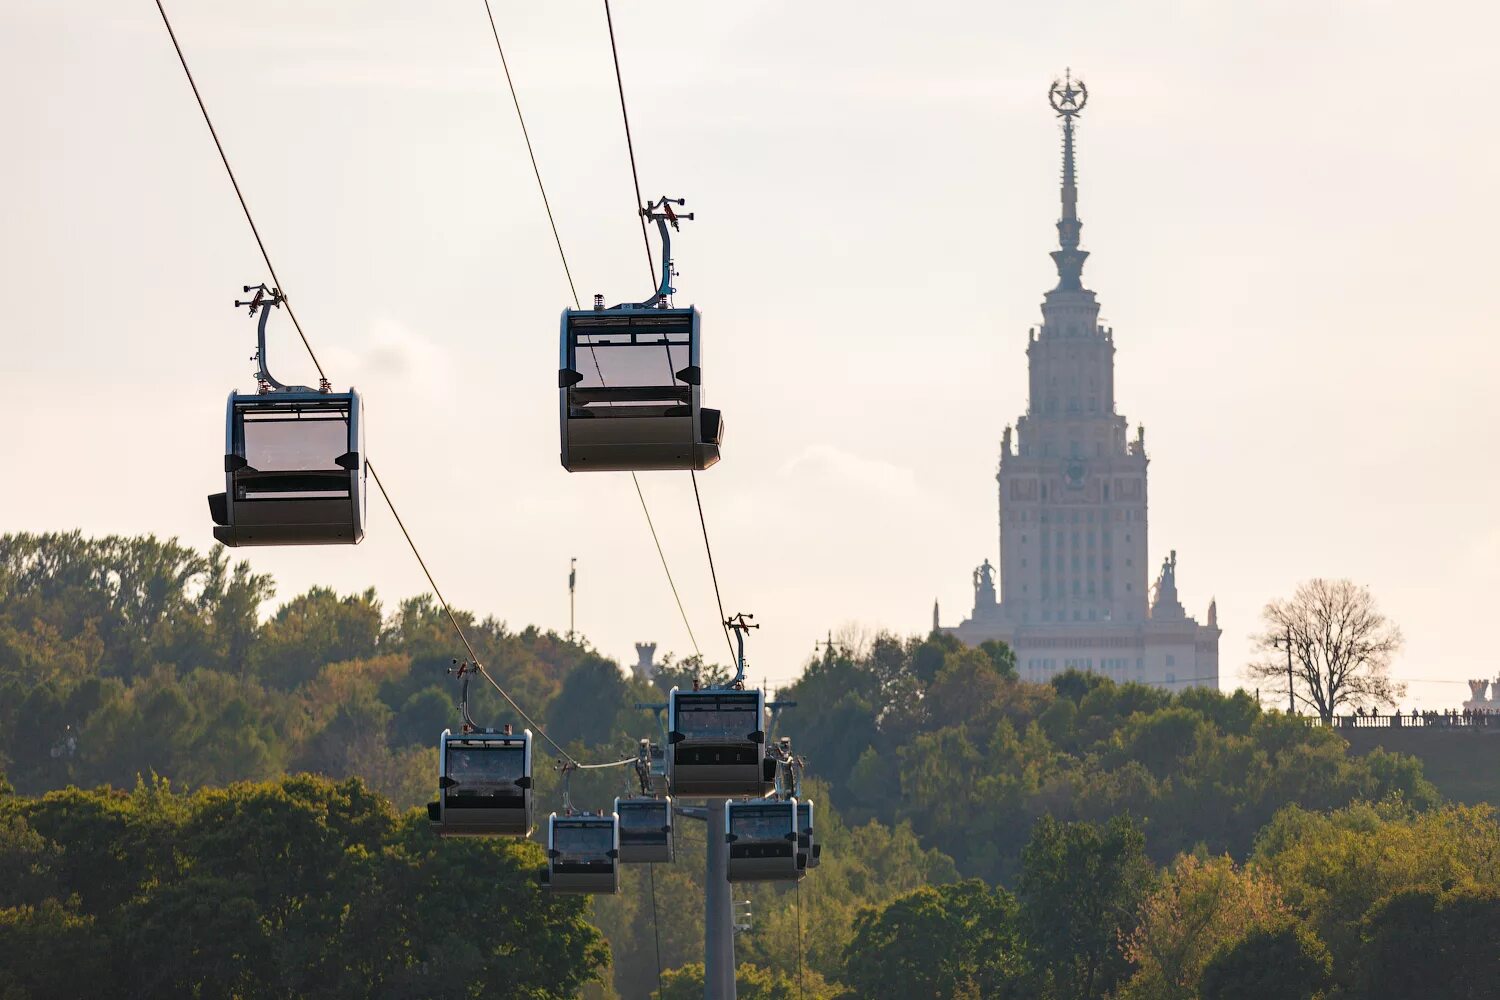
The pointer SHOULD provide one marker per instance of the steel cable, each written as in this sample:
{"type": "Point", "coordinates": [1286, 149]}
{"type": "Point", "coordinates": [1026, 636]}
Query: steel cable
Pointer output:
{"type": "Point", "coordinates": [651, 263]}
{"type": "Point", "coordinates": [447, 608]}
{"type": "Point", "coordinates": [557, 238]}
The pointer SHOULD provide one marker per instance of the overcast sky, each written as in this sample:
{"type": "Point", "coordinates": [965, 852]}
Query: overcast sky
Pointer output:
{"type": "Point", "coordinates": [1290, 208]}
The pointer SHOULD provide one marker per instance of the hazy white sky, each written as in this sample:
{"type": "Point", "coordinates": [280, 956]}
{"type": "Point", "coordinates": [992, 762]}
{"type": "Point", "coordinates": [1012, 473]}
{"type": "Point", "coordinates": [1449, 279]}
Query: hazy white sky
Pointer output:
{"type": "Point", "coordinates": [1289, 205]}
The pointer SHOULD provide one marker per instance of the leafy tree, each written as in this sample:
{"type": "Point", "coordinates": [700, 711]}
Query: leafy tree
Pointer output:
{"type": "Point", "coordinates": [313, 629]}
{"type": "Point", "coordinates": [301, 887]}
{"type": "Point", "coordinates": [1418, 943]}
{"type": "Point", "coordinates": [1197, 906]}
{"type": "Point", "coordinates": [1282, 962]}
{"type": "Point", "coordinates": [946, 941]}
{"type": "Point", "coordinates": [423, 716]}
{"type": "Point", "coordinates": [51, 952]}
{"type": "Point", "coordinates": [1341, 646]}
{"type": "Point", "coordinates": [750, 983]}
{"type": "Point", "coordinates": [1002, 657]}
{"type": "Point", "coordinates": [1080, 887]}
{"type": "Point", "coordinates": [589, 703]}
{"type": "Point", "coordinates": [1335, 868]}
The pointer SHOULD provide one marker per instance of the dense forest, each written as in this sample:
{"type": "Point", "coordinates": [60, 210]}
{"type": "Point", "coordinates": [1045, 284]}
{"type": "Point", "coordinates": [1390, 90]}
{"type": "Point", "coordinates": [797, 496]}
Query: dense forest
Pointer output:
{"type": "Point", "coordinates": [209, 794]}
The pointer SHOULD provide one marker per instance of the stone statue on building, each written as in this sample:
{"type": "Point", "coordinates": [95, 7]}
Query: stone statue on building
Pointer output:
{"type": "Point", "coordinates": [1165, 606]}
{"type": "Point", "coordinates": [984, 587]}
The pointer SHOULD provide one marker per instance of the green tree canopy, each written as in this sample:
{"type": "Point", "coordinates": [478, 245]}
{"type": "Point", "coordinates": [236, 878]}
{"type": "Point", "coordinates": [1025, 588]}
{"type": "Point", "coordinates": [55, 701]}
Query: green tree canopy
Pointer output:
{"type": "Point", "coordinates": [1283, 962]}
{"type": "Point", "coordinates": [1080, 887]}
{"type": "Point", "coordinates": [954, 940]}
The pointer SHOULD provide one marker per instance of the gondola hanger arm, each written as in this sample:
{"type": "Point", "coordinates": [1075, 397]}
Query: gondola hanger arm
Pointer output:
{"type": "Point", "coordinates": [264, 299]}
{"type": "Point", "coordinates": [660, 212]}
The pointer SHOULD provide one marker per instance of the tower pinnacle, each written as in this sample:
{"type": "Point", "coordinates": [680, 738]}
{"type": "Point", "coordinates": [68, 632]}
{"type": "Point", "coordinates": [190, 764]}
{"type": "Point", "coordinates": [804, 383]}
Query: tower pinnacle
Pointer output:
{"type": "Point", "coordinates": [1068, 97]}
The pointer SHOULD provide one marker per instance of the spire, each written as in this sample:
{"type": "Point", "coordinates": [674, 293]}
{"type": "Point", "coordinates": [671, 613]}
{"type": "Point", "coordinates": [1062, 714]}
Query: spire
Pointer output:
{"type": "Point", "coordinates": [1067, 97]}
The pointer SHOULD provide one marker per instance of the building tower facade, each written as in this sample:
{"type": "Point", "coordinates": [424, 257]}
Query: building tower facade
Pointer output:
{"type": "Point", "coordinates": [1074, 566]}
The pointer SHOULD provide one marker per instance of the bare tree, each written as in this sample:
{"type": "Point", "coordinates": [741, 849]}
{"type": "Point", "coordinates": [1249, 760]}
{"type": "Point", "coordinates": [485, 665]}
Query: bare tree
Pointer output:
{"type": "Point", "coordinates": [1341, 647]}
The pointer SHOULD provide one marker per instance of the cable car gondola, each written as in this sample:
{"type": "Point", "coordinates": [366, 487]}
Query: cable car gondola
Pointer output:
{"type": "Point", "coordinates": [484, 784]}
{"type": "Point", "coordinates": [808, 848]}
{"type": "Point", "coordinates": [293, 460]}
{"type": "Point", "coordinates": [645, 830]}
{"type": "Point", "coordinates": [583, 853]}
{"type": "Point", "coordinates": [762, 838]}
{"type": "Point", "coordinates": [716, 743]}
{"type": "Point", "coordinates": [630, 381]}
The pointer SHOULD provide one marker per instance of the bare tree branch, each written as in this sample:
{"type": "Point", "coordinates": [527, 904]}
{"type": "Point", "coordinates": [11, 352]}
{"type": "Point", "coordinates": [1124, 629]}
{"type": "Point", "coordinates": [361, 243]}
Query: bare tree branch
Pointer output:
{"type": "Point", "coordinates": [1341, 647]}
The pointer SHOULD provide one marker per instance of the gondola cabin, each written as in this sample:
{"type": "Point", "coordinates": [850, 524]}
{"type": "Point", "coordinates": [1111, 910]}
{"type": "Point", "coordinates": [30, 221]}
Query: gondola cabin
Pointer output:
{"type": "Point", "coordinates": [716, 743]}
{"type": "Point", "coordinates": [762, 840]}
{"type": "Point", "coordinates": [484, 784]}
{"type": "Point", "coordinates": [294, 470]}
{"type": "Point", "coordinates": [808, 847]}
{"type": "Point", "coordinates": [632, 394]}
{"type": "Point", "coordinates": [645, 830]}
{"type": "Point", "coordinates": [583, 853]}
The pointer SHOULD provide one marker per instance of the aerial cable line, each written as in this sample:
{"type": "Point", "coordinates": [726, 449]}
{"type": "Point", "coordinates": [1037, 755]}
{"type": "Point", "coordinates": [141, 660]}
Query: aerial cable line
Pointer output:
{"type": "Point", "coordinates": [448, 610]}
{"type": "Point", "coordinates": [635, 176]}
{"type": "Point", "coordinates": [368, 464]}
{"type": "Point", "coordinates": [713, 573]}
{"type": "Point", "coordinates": [573, 288]}
{"type": "Point", "coordinates": [663, 556]}
{"type": "Point", "coordinates": [531, 152]}
{"type": "Point", "coordinates": [275, 281]}
{"type": "Point", "coordinates": [800, 979]}
{"type": "Point", "coordinates": [629, 143]}
{"type": "Point", "coordinates": [661, 987]}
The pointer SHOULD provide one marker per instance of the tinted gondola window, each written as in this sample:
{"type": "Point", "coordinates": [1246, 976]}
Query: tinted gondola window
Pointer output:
{"type": "Point", "coordinates": [637, 819]}
{"type": "Point", "coordinates": [294, 443]}
{"type": "Point", "coordinates": [583, 844]}
{"type": "Point", "coordinates": [485, 773]}
{"type": "Point", "coordinates": [760, 824]}
{"type": "Point", "coordinates": [713, 719]}
{"type": "Point", "coordinates": [618, 361]}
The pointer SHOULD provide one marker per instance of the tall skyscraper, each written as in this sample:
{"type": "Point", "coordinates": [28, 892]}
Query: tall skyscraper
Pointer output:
{"type": "Point", "coordinates": [1073, 555]}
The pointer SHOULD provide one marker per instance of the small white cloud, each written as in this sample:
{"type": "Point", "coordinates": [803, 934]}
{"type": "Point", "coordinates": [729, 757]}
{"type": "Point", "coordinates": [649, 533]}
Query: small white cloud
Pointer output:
{"type": "Point", "coordinates": [393, 351]}
{"type": "Point", "coordinates": [825, 464]}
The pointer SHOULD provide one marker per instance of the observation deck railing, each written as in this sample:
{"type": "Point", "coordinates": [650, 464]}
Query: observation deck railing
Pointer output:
{"type": "Point", "coordinates": [1420, 720]}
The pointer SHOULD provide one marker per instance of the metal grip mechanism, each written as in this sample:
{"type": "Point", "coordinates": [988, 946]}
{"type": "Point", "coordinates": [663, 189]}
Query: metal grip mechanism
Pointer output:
{"type": "Point", "coordinates": [567, 768]}
{"type": "Point", "coordinates": [661, 213]}
{"type": "Point", "coordinates": [264, 298]}
{"type": "Point", "coordinates": [463, 671]}
{"type": "Point", "coordinates": [741, 624]}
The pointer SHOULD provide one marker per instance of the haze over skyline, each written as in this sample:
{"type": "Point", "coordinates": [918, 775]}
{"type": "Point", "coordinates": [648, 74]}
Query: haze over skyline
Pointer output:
{"type": "Point", "coordinates": [1287, 208]}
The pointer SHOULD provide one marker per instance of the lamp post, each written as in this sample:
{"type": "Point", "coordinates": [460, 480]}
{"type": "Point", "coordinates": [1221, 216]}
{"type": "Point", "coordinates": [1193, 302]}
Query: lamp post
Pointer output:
{"type": "Point", "coordinates": [1291, 695]}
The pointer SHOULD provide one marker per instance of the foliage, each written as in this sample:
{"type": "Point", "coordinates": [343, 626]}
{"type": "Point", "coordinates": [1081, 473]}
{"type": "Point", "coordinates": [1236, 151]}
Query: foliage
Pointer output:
{"type": "Point", "coordinates": [1336, 869]}
{"type": "Point", "coordinates": [1281, 962]}
{"type": "Point", "coordinates": [947, 941]}
{"type": "Point", "coordinates": [132, 656]}
{"type": "Point", "coordinates": [1341, 646]}
{"type": "Point", "coordinates": [1421, 943]}
{"type": "Point", "coordinates": [125, 659]}
{"type": "Point", "coordinates": [299, 887]}
{"type": "Point", "coordinates": [861, 867]}
{"type": "Point", "coordinates": [1197, 906]}
{"type": "Point", "coordinates": [750, 983]}
{"type": "Point", "coordinates": [1080, 887]}
{"type": "Point", "coordinates": [943, 737]}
